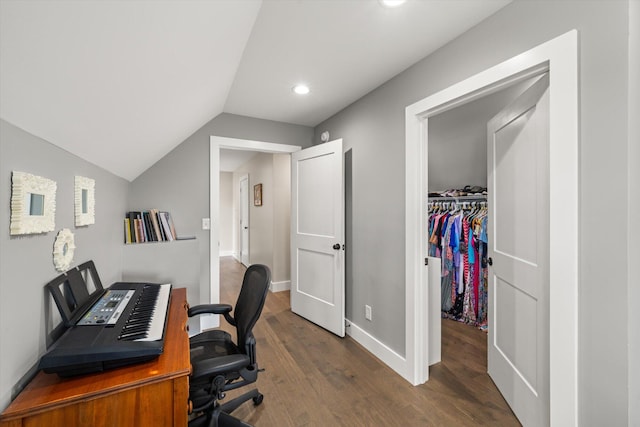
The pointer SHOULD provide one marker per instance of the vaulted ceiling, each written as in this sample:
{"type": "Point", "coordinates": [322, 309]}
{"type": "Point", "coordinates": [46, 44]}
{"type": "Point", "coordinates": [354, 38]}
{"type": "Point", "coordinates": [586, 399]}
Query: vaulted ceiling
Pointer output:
{"type": "Point", "coordinates": [121, 83]}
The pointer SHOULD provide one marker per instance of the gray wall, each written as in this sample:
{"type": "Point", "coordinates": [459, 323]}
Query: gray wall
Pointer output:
{"type": "Point", "coordinates": [26, 261]}
{"type": "Point", "coordinates": [269, 235]}
{"type": "Point", "coordinates": [458, 141]}
{"type": "Point", "coordinates": [260, 171]}
{"type": "Point", "coordinates": [281, 218]}
{"type": "Point", "coordinates": [634, 208]}
{"type": "Point", "coordinates": [227, 214]}
{"type": "Point", "coordinates": [373, 128]}
{"type": "Point", "coordinates": [179, 182]}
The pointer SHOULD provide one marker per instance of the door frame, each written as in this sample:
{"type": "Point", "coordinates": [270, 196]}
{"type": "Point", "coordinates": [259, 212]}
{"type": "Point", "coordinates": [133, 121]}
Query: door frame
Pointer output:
{"type": "Point", "coordinates": [216, 143]}
{"type": "Point", "coordinates": [244, 203]}
{"type": "Point", "coordinates": [560, 57]}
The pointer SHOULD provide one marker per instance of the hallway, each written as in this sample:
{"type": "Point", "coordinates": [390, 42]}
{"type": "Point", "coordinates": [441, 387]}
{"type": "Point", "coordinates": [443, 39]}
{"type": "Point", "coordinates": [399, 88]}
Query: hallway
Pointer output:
{"type": "Point", "coordinates": [314, 378]}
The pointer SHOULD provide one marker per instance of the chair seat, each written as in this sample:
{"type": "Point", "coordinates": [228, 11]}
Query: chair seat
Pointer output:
{"type": "Point", "coordinates": [211, 345]}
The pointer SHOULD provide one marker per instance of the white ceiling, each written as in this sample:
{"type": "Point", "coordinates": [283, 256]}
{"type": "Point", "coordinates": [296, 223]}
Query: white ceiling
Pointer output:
{"type": "Point", "coordinates": [121, 83]}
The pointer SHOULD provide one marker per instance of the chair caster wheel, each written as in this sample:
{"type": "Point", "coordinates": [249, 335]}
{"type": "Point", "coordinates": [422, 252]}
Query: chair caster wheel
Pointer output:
{"type": "Point", "coordinates": [258, 399]}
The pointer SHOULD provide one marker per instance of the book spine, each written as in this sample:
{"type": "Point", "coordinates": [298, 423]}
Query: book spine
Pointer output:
{"type": "Point", "coordinates": [154, 219]}
{"type": "Point", "coordinates": [165, 226]}
{"type": "Point", "coordinates": [132, 226]}
{"type": "Point", "coordinates": [171, 226]}
{"type": "Point", "coordinates": [127, 231]}
{"type": "Point", "coordinates": [148, 226]}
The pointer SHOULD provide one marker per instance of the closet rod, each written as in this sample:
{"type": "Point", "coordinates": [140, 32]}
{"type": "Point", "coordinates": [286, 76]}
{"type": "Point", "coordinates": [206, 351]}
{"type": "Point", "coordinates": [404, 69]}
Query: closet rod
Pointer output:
{"type": "Point", "coordinates": [458, 199]}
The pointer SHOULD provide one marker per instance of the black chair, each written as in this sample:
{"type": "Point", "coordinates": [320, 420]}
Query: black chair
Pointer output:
{"type": "Point", "coordinates": [219, 365]}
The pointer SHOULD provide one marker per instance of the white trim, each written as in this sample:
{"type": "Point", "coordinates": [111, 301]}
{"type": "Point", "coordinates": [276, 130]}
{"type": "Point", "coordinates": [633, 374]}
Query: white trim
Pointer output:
{"type": "Point", "coordinates": [215, 144]}
{"type": "Point", "coordinates": [377, 348]}
{"type": "Point", "coordinates": [560, 56]}
{"type": "Point", "coordinates": [227, 253]}
{"type": "Point", "coordinates": [284, 285]}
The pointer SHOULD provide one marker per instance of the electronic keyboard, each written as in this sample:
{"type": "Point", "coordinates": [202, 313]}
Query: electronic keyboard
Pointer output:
{"type": "Point", "coordinates": [125, 325]}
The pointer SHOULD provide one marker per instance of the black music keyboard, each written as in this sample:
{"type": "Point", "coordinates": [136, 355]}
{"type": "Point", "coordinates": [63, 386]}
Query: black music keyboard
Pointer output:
{"type": "Point", "coordinates": [126, 325]}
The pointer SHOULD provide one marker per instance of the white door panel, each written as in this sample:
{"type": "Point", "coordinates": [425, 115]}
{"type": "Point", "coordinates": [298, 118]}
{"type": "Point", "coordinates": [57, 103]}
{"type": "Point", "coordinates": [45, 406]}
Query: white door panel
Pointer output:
{"type": "Point", "coordinates": [317, 235]}
{"type": "Point", "coordinates": [518, 350]}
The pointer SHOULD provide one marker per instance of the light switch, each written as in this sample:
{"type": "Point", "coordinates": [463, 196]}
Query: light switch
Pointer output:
{"type": "Point", "coordinates": [206, 223]}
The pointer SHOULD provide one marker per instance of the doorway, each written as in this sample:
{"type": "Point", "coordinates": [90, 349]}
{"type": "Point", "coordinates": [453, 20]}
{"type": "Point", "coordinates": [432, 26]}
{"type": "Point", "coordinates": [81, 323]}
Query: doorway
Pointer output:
{"type": "Point", "coordinates": [559, 57]}
{"type": "Point", "coordinates": [473, 232]}
{"type": "Point", "coordinates": [216, 144]}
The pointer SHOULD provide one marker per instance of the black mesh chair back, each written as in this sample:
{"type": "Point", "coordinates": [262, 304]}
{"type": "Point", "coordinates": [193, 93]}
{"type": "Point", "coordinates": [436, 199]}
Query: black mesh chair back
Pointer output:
{"type": "Point", "coordinates": [253, 294]}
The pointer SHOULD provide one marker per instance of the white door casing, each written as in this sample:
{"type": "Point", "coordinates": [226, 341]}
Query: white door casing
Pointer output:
{"type": "Point", "coordinates": [518, 242]}
{"type": "Point", "coordinates": [317, 235]}
{"type": "Point", "coordinates": [244, 220]}
{"type": "Point", "coordinates": [559, 56]}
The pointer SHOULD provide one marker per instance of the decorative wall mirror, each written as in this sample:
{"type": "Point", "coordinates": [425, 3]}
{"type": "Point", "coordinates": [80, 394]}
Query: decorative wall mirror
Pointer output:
{"type": "Point", "coordinates": [33, 204]}
{"type": "Point", "coordinates": [85, 201]}
{"type": "Point", "coordinates": [63, 249]}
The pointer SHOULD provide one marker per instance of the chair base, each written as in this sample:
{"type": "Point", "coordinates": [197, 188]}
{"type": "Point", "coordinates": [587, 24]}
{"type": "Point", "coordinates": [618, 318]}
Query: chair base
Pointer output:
{"type": "Point", "coordinates": [220, 416]}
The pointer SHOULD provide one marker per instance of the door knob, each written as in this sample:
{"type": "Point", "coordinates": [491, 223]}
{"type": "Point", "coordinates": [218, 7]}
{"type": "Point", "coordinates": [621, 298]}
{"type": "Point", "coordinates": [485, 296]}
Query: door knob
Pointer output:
{"type": "Point", "coordinates": [490, 261]}
{"type": "Point", "coordinates": [336, 246]}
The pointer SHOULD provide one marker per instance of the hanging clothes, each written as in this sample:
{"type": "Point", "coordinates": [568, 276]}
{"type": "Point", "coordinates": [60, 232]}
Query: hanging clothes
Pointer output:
{"type": "Point", "coordinates": [458, 236]}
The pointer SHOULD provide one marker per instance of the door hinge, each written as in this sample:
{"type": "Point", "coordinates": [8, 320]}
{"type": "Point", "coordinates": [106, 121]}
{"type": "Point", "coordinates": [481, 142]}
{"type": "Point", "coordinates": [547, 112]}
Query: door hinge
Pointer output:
{"type": "Point", "coordinates": [426, 261]}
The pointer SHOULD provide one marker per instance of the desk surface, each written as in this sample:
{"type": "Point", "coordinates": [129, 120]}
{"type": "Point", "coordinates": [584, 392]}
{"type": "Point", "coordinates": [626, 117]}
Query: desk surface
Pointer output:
{"type": "Point", "coordinates": [48, 392]}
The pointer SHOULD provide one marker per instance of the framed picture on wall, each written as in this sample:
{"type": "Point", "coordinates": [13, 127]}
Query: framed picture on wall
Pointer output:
{"type": "Point", "coordinates": [257, 195]}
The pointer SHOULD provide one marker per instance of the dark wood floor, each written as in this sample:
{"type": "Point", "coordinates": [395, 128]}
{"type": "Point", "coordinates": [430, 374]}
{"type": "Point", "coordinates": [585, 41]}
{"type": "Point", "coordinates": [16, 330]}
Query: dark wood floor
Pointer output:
{"type": "Point", "coordinates": [314, 378]}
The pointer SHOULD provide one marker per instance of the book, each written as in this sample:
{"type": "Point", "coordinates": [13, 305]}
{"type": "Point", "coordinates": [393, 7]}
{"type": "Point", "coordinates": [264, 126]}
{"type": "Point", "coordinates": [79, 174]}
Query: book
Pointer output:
{"type": "Point", "coordinates": [127, 231]}
{"type": "Point", "coordinates": [153, 214]}
{"type": "Point", "coordinates": [151, 234]}
{"type": "Point", "coordinates": [132, 226]}
{"type": "Point", "coordinates": [165, 225]}
{"type": "Point", "coordinates": [141, 230]}
{"type": "Point", "coordinates": [171, 226]}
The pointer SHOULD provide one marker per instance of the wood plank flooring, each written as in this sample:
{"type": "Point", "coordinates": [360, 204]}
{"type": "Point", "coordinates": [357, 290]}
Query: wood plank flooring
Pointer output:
{"type": "Point", "coordinates": [314, 378]}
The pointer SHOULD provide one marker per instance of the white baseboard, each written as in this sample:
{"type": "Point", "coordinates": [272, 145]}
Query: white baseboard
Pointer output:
{"type": "Point", "coordinates": [227, 253]}
{"type": "Point", "coordinates": [280, 286]}
{"type": "Point", "coordinates": [377, 348]}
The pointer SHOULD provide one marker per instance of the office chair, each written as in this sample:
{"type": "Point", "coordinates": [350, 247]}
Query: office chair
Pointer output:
{"type": "Point", "coordinates": [219, 365]}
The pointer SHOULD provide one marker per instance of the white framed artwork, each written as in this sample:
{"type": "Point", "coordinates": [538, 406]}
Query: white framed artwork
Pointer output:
{"type": "Point", "coordinates": [33, 204]}
{"type": "Point", "coordinates": [63, 249]}
{"type": "Point", "coordinates": [85, 201]}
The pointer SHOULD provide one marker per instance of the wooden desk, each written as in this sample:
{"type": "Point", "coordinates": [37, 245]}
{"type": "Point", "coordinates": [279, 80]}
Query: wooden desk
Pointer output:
{"type": "Point", "coordinates": [153, 393]}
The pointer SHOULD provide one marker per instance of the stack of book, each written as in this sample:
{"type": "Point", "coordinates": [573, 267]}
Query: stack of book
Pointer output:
{"type": "Point", "coordinates": [149, 226]}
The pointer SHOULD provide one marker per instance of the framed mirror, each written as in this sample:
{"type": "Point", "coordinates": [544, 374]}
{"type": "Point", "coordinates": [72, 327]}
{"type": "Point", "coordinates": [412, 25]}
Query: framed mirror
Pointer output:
{"type": "Point", "coordinates": [33, 204]}
{"type": "Point", "coordinates": [63, 249]}
{"type": "Point", "coordinates": [85, 201]}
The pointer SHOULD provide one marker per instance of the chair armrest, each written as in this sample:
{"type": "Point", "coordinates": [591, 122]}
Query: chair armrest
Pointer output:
{"type": "Point", "coordinates": [205, 369]}
{"type": "Point", "coordinates": [209, 309]}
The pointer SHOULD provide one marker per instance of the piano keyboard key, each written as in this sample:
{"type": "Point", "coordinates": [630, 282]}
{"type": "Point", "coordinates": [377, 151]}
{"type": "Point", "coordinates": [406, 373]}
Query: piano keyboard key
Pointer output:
{"type": "Point", "coordinates": [147, 319]}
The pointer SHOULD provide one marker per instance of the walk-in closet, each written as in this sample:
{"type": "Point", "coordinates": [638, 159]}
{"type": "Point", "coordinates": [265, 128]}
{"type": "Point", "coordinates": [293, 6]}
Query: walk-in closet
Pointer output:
{"type": "Point", "coordinates": [458, 213]}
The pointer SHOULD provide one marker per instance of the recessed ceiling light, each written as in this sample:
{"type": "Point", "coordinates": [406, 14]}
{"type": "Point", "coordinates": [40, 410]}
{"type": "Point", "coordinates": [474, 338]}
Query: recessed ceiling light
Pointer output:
{"type": "Point", "coordinates": [301, 89]}
{"type": "Point", "coordinates": [391, 3]}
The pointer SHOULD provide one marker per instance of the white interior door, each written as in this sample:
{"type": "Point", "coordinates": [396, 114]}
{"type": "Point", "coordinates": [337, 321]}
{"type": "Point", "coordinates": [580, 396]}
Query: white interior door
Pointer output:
{"type": "Point", "coordinates": [317, 235]}
{"type": "Point", "coordinates": [244, 220]}
{"type": "Point", "coordinates": [518, 170]}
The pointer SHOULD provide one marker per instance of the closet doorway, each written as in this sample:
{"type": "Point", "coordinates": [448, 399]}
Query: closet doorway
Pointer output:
{"type": "Point", "coordinates": [497, 142]}
{"type": "Point", "coordinates": [559, 58]}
